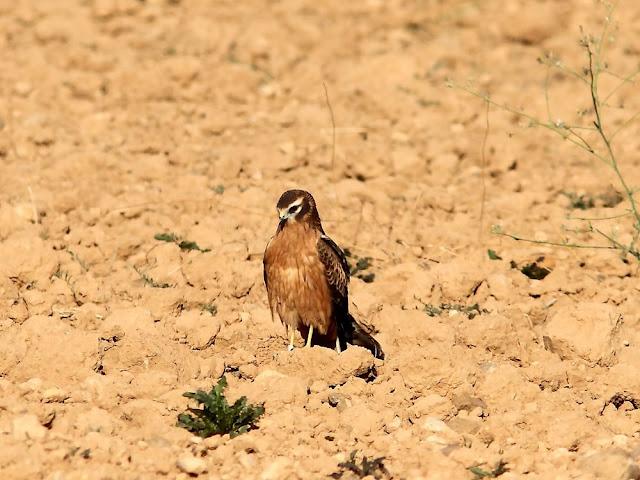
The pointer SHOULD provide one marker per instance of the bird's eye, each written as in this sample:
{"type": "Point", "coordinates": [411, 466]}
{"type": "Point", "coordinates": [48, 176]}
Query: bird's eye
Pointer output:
{"type": "Point", "coordinates": [295, 209]}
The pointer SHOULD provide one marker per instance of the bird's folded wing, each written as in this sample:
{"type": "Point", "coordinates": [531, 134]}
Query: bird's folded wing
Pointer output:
{"type": "Point", "coordinates": [335, 264]}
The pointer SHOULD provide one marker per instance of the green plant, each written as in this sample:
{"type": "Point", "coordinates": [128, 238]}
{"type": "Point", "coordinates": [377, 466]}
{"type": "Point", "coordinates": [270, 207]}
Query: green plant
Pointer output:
{"type": "Point", "coordinates": [186, 245]}
{"type": "Point", "coordinates": [493, 255]}
{"type": "Point", "coordinates": [217, 417]}
{"type": "Point", "coordinates": [495, 472]}
{"type": "Point", "coordinates": [210, 307]}
{"type": "Point", "coordinates": [374, 467]}
{"type": "Point", "coordinates": [580, 202]}
{"type": "Point", "coordinates": [470, 311]}
{"type": "Point", "coordinates": [361, 264]}
{"type": "Point", "coordinates": [150, 281]}
{"type": "Point", "coordinates": [595, 137]}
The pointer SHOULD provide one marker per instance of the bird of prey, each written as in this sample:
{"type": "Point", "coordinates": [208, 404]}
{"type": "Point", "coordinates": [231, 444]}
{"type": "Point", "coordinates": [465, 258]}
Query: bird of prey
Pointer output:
{"type": "Point", "coordinates": [307, 276]}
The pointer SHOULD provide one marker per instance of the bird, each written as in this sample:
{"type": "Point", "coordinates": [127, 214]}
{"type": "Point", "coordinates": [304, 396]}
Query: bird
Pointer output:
{"type": "Point", "coordinates": [306, 276]}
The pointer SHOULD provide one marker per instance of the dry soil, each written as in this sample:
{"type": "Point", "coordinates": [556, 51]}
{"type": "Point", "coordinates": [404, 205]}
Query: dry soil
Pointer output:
{"type": "Point", "coordinates": [123, 119]}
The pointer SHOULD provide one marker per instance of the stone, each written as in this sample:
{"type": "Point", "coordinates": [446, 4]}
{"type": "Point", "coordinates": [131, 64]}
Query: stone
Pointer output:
{"type": "Point", "coordinates": [612, 464]}
{"type": "Point", "coordinates": [440, 433]}
{"type": "Point", "coordinates": [433, 405]}
{"type": "Point", "coordinates": [276, 389]}
{"type": "Point", "coordinates": [199, 328]}
{"type": "Point", "coordinates": [583, 331]}
{"type": "Point", "coordinates": [187, 463]}
{"type": "Point", "coordinates": [54, 395]}
{"type": "Point", "coordinates": [28, 427]}
{"type": "Point", "coordinates": [339, 401]}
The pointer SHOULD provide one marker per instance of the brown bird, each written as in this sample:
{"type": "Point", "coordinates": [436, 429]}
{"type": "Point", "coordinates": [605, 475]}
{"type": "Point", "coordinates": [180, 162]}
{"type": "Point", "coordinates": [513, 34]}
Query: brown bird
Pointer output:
{"type": "Point", "coordinates": [307, 277]}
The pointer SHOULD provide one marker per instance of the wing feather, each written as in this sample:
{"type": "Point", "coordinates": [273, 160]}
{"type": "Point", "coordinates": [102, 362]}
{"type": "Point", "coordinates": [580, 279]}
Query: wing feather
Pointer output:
{"type": "Point", "coordinates": [336, 268]}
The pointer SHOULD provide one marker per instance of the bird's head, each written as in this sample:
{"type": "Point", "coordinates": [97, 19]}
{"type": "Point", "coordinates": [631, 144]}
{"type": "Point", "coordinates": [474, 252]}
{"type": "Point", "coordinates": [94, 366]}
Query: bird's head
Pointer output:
{"type": "Point", "coordinates": [297, 206]}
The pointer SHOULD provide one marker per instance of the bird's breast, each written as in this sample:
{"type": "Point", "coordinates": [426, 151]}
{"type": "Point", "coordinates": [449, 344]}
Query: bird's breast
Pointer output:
{"type": "Point", "coordinates": [296, 277]}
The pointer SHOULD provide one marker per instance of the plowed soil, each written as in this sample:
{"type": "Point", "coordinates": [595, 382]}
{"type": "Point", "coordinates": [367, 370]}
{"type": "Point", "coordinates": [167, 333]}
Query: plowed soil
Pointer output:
{"type": "Point", "coordinates": [124, 119]}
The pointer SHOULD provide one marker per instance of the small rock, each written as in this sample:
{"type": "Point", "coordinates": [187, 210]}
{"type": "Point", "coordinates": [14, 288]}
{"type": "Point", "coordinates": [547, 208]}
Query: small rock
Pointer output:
{"type": "Point", "coordinates": [582, 331]}
{"type": "Point", "coordinates": [362, 420]}
{"type": "Point", "coordinates": [275, 389]}
{"type": "Point", "coordinates": [95, 420]}
{"type": "Point", "coordinates": [393, 425]}
{"type": "Point", "coordinates": [442, 433]}
{"type": "Point", "coordinates": [477, 412]}
{"type": "Point", "coordinates": [464, 400]}
{"type": "Point", "coordinates": [611, 464]}
{"type": "Point", "coordinates": [22, 89]}
{"type": "Point", "coordinates": [279, 468]}
{"type": "Point", "coordinates": [213, 442]}
{"type": "Point", "coordinates": [464, 425]}
{"type": "Point", "coordinates": [248, 371]}
{"type": "Point", "coordinates": [191, 465]}
{"type": "Point", "coordinates": [31, 385]}
{"type": "Point", "coordinates": [432, 404]}
{"type": "Point", "coordinates": [199, 329]}
{"type": "Point", "coordinates": [434, 425]}
{"type": "Point", "coordinates": [54, 395]}
{"type": "Point", "coordinates": [28, 427]}
{"type": "Point", "coordinates": [339, 400]}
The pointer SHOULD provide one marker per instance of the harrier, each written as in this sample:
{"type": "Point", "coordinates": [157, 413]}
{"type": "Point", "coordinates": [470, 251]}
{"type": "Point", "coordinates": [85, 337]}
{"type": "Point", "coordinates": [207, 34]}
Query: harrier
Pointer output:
{"type": "Point", "coordinates": [307, 277]}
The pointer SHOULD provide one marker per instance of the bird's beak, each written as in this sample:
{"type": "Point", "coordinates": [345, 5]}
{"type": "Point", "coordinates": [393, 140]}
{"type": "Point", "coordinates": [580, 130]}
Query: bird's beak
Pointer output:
{"type": "Point", "coordinates": [283, 214]}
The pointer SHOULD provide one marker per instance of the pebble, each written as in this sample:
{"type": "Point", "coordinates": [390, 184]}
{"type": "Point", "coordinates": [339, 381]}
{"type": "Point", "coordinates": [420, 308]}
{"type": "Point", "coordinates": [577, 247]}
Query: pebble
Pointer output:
{"type": "Point", "coordinates": [318, 386]}
{"type": "Point", "coordinates": [31, 385]}
{"type": "Point", "coordinates": [54, 395]}
{"type": "Point", "coordinates": [191, 465]}
{"type": "Point", "coordinates": [22, 89]}
{"type": "Point", "coordinates": [339, 400]}
{"type": "Point", "coordinates": [28, 427]}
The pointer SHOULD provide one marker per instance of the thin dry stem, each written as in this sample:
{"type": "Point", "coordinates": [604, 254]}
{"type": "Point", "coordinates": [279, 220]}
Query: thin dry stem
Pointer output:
{"type": "Point", "coordinates": [595, 52]}
{"type": "Point", "coordinates": [333, 125]}
{"type": "Point", "coordinates": [483, 168]}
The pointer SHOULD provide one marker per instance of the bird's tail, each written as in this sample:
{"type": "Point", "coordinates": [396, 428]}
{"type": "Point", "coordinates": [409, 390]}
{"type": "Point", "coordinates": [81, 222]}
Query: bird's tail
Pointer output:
{"type": "Point", "coordinates": [353, 333]}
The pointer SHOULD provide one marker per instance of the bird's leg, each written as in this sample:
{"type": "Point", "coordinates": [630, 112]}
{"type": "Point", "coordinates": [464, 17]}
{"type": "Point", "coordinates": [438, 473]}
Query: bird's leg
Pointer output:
{"type": "Point", "coordinates": [292, 334]}
{"type": "Point", "coordinates": [308, 344]}
{"type": "Point", "coordinates": [338, 349]}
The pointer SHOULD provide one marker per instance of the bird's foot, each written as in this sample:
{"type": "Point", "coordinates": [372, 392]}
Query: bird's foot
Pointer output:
{"type": "Point", "coordinates": [290, 347]}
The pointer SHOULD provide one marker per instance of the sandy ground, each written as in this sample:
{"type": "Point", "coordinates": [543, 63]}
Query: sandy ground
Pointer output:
{"type": "Point", "coordinates": [122, 119]}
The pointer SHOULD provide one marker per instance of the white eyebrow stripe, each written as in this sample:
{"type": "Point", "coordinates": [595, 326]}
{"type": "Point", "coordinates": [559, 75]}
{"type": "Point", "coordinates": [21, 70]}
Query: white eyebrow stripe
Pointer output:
{"type": "Point", "coordinates": [295, 203]}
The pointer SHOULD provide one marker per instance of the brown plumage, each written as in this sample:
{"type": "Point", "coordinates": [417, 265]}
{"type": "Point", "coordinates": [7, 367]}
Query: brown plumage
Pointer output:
{"type": "Point", "coordinates": [307, 277]}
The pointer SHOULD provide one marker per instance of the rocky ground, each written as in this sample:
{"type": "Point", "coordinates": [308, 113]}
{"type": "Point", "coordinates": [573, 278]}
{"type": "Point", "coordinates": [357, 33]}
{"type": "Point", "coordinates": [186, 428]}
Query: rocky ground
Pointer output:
{"type": "Point", "coordinates": [124, 119]}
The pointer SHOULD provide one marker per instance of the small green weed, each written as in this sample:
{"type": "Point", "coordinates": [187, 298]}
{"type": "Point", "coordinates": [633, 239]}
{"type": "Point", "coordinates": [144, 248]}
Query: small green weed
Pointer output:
{"type": "Point", "coordinates": [186, 245]}
{"type": "Point", "coordinates": [580, 202]}
{"type": "Point", "coordinates": [217, 417]}
{"type": "Point", "coordinates": [498, 470]}
{"type": "Point", "coordinates": [493, 255]}
{"type": "Point", "coordinates": [374, 467]}
{"type": "Point", "coordinates": [150, 281]}
{"type": "Point", "coordinates": [470, 311]}
{"type": "Point", "coordinates": [361, 264]}
{"type": "Point", "coordinates": [210, 307]}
